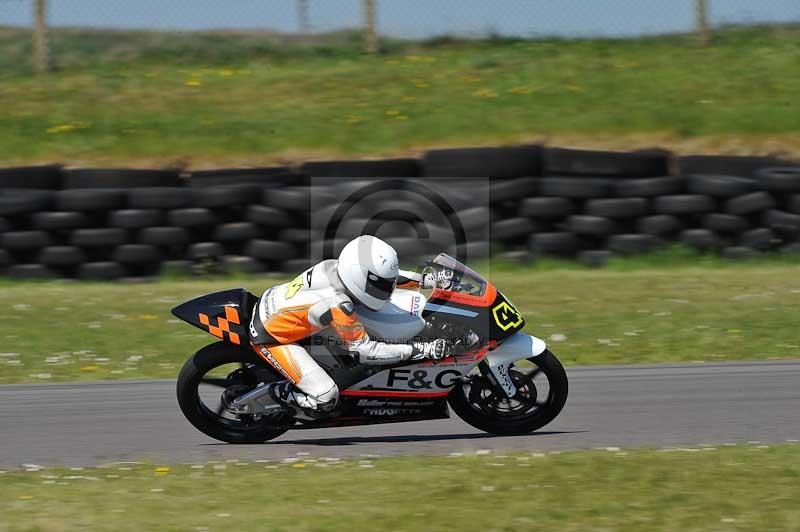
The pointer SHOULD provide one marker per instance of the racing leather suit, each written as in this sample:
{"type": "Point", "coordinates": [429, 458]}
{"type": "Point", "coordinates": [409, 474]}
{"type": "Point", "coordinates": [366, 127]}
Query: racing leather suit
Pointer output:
{"type": "Point", "coordinates": [317, 300]}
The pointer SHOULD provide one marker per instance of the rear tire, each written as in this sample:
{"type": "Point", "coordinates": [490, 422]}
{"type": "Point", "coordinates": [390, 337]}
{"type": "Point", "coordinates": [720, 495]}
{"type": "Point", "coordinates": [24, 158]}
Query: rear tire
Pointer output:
{"type": "Point", "coordinates": [203, 418]}
{"type": "Point", "coordinates": [528, 422]}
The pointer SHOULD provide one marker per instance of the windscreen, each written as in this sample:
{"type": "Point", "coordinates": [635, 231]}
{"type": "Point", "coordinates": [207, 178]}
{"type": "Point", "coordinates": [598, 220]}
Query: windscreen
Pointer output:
{"type": "Point", "coordinates": [465, 280]}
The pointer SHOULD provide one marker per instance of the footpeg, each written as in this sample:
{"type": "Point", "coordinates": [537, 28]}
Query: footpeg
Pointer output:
{"type": "Point", "coordinates": [258, 401]}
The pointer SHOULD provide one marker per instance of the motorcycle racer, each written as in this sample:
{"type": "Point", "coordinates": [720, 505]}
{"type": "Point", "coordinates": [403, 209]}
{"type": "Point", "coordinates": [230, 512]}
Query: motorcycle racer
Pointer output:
{"type": "Point", "coordinates": [329, 295]}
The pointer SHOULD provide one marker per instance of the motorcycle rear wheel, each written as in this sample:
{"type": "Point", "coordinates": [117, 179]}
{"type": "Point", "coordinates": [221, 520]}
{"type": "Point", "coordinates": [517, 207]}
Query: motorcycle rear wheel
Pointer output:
{"type": "Point", "coordinates": [489, 410]}
{"type": "Point", "coordinates": [244, 429]}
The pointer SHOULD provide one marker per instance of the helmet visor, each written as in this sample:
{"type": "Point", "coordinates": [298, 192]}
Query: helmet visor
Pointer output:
{"type": "Point", "coordinates": [380, 287]}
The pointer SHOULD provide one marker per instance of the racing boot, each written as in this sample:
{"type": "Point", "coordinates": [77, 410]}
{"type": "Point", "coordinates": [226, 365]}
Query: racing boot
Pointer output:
{"type": "Point", "coordinates": [303, 405]}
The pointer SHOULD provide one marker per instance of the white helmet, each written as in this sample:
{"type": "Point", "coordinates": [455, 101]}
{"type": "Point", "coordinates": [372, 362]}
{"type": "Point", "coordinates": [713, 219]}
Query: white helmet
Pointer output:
{"type": "Point", "coordinates": [368, 268]}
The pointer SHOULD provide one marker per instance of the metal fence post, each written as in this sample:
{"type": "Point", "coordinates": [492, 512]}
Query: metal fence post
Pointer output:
{"type": "Point", "coordinates": [701, 21]}
{"type": "Point", "coordinates": [40, 44]}
{"type": "Point", "coordinates": [303, 24]}
{"type": "Point", "coordinates": [370, 31]}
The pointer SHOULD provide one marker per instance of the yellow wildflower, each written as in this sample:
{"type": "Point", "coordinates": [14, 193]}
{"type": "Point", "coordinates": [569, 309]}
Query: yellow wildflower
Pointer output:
{"type": "Point", "coordinates": [520, 90]}
{"type": "Point", "coordinates": [485, 93]}
{"type": "Point", "coordinates": [63, 128]}
{"type": "Point", "coordinates": [146, 317]}
{"type": "Point", "coordinates": [193, 83]}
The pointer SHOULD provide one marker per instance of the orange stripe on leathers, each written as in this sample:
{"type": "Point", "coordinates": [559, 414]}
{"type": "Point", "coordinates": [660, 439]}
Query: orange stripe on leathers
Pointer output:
{"type": "Point", "coordinates": [280, 357]}
{"type": "Point", "coordinates": [347, 327]}
{"type": "Point", "coordinates": [290, 325]}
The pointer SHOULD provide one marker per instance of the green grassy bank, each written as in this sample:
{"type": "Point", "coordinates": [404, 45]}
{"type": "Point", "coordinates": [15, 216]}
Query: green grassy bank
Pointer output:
{"type": "Point", "coordinates": [708, 489]}
{"type": "Point", "coordinates": [251, 98]}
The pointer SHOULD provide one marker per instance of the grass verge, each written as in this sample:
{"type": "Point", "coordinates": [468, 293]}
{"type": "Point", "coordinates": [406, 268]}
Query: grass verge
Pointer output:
{"type": "Point", "coordinates": [712, 489]}
{"type": "Point", "coordinates": [204, 99]}
{"type": "Point", "coordinates": [64, 331]}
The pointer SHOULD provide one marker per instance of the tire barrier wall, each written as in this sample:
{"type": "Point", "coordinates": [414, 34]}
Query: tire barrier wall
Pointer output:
{"type": "Point", "coordinates": [527, 201]}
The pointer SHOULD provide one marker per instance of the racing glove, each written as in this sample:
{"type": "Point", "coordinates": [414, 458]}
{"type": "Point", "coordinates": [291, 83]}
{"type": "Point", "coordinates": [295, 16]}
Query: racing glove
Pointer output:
{"type": "Point", "coordinates": [439, 279]}
{"type": "Point", "coordinates": [434, 349]}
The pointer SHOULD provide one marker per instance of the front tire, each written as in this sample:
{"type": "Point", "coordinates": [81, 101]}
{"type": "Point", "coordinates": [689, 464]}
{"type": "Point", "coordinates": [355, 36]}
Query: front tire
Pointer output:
{"type": "Point", "coordinates": [244, 429]}
{"type": "Point", "coordinates": [478, 407]}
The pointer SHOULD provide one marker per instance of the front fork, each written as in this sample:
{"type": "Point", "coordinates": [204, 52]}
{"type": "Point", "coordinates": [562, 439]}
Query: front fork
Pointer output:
{"type": "Point", "coordinates": [498, 376]}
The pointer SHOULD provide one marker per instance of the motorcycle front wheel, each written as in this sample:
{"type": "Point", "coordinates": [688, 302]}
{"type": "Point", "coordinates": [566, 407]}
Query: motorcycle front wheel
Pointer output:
{"type": "Point", "coordinates": [218, 371]}
{"type": "Point", "coordinates": [542, 389]}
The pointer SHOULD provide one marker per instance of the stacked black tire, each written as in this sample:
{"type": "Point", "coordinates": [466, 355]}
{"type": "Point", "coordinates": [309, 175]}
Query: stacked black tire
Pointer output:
{"type": "Point", "coordinates": [138, 223]}
{"type": "Point", "coordinates": [634, 206]}
{"type": "Point", "coordinates": [532, 201]}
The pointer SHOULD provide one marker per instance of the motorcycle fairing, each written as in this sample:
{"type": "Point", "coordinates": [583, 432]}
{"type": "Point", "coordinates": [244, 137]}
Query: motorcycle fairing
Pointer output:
{"type": "Point", "coordinates": [424, 379]}
{"type": "Point", "coordinates": [224, 314]}
{"type": "Point", "coordinates": [496, 320]}
{"type": "Point", "coordinates": [418, 380]}
{"type": "Point", "coordinates": [430, 380]}
{"type": "Point", "coordinates": [417, 392]}
{"type": "Point", "coordinates": [379, 410]}
{"type": "Point", "coordinates": [472, 300]}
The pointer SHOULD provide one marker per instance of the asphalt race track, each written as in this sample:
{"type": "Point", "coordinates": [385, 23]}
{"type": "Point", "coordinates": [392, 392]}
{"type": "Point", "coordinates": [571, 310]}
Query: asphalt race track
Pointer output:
{"type": "Point", "coordinates": [623, 406]}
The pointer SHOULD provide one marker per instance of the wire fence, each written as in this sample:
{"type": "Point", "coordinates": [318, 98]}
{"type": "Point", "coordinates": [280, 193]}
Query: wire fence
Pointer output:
{"type": "Point", "coordinates": [407, 19]}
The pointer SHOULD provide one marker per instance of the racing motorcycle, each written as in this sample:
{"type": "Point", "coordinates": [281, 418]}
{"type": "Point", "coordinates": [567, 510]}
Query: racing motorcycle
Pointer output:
{"type": "Point", "coordinates": [498, 380]}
